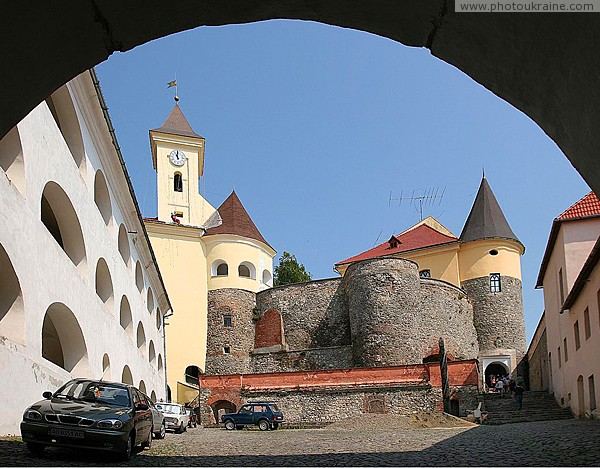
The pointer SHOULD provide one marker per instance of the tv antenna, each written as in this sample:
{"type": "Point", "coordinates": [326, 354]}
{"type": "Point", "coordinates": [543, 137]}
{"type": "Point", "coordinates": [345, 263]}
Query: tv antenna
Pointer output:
{"type": "Point", "coordinates": [420, 199]}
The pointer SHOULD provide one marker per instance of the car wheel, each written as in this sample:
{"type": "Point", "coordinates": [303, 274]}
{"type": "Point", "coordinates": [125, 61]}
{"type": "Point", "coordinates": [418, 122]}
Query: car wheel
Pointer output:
{"type": "Point", "coordinates": [263, 425]}
{"type": "Point", "coordinates": [148, 442]}
{"type": "Point", "coordinates": [125, 454]}
{"type": "Point", "coordinates": [229, 425]}
{"type": "Point", "coordinates": [180, 429]}
{"type": "Point", "coordinates": [275, 425]}
{"type": "Point", "coordinates": [161, 433]}
{"type": "Point", "coordinates": [36, 449]}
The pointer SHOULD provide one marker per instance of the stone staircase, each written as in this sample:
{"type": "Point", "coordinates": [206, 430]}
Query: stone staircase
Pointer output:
{"type": "Point", "coordinates": [537, 406]}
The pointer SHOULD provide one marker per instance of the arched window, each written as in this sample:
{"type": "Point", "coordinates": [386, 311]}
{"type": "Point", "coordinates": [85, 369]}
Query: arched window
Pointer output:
{"type": "Point", "coordinates": [219, 268]}
{"type": "Point", "coordinates": [104, 286]}
{"type": "Point", "coordinates": [267, 278]}
{"type": "Point", "coordinates": [425, 274]}
{"type": "Point", "coordinates": [192, 373]}
{"type": "Point", "coordinates": [495, 285]}
{"type": "Point", "coordinates": [124, 244]}
{"type": "Point", "coordinates": [178, 182]}
{"type": "Point", "coordinates": [126, 376]}
{"type": "Point", "coordinates": [151, 353]}
{"type": "Point", "coordinates": [153, 396]}
{"type": "Point", "coordinates": [11, 159]}
{"type": "Point", "coordinates": [139, 276]}
{"type": "Point", "coordinates": [150, 301]}
{"type": "Point", "coordinates": [247, 270]}
{"type": "Point", "coordinates": [62, 340]}
{"type": "Point", "coordinates": [125, 317]}
{"type": "Point", "coordinates": [159, 362]}
{"type": "Point", "coordinates": [141, 338]}
{"type": "Point", "coordinates": [59, 217]}
{"type": "Point", "coordinates": [102, 196]}
{"type": "Point", "coordinates": [142, 387]}
{"type": "Point", "coordinates": [12, 312]}
{"type": "Point", "coordinates": [106, 367]}
{"type": "Point", "coordinates": [158, 319]}
{"type": "Point", "coordinates": [61, 107]}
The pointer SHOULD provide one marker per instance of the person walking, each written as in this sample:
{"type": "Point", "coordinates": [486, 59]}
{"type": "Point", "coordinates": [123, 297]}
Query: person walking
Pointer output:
{"type": "Point", "coordinates": [518, 392]}
{"type": "Point", "coordinates": [500, 387]}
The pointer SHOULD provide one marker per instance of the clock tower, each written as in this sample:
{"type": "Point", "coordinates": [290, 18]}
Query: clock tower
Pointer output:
{"type": "Point", "coordinates": [178, 158]}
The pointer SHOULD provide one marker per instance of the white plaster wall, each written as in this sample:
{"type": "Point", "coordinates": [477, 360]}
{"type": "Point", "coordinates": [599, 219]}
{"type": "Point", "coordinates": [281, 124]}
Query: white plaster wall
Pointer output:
{"type": "Point", "coordinates": [47, 275]}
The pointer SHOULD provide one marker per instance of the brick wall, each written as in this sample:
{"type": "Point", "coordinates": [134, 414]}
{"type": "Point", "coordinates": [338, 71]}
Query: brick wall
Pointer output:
{"type": "Point", "coordinates": [269, 330]}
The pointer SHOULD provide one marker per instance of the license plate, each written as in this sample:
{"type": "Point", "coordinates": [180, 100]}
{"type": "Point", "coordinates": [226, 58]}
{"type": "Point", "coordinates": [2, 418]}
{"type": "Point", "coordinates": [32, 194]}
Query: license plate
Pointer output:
{"type": "Point", "coordinates": [66, 433]}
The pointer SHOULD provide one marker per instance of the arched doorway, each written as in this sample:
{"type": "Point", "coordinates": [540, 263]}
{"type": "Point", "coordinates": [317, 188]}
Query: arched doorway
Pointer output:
{"type": "Point", "coordinates": [493, 370]}
{"type": "Point", "coordinates": [192, 374]}
{"type": "Point", "coordinates": [222, 407]}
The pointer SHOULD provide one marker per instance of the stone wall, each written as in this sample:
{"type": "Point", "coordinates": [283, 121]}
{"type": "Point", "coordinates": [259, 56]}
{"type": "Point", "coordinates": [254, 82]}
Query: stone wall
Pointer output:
{"type": "Point", "coordinates": [383, 300]}
{"type": "Point", "coordinates": [498, 317]}
{"type": "Point", "coordinates": [334, 357]}
{"type": "Point", "coordinates": [444, 311]}
{"type": "Point", "coordinates": [539, 378]}
{"type": "Point", "coordinates": [239, 338]}
{"type": "Point", "coordinates": [314, 314]}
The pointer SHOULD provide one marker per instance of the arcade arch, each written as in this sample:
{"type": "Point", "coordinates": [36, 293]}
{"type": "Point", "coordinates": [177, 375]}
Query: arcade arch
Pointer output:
{"type": "Point", "coordinates": [11, 159]}
{"type": "Point", "coordinates": [12, 311]}
{"type": "Point", "coordinates": [102, 197]}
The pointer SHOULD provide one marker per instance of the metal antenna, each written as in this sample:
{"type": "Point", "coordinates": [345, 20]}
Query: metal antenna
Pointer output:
{"type": "Point", "coordinates": [420, 199]}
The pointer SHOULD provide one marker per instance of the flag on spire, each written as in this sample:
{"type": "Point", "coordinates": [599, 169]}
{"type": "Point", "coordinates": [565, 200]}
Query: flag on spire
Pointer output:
{"type": "Point", "coordinates": [170, 84]}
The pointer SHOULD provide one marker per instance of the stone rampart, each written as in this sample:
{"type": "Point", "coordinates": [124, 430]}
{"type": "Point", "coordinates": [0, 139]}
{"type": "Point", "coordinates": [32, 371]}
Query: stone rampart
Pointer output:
{"type": "Point", "coordinates": [333, 357]}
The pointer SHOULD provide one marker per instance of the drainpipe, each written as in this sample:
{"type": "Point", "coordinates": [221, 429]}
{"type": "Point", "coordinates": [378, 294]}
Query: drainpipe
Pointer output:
{"type": "Point", "coordinates": [164, 333]}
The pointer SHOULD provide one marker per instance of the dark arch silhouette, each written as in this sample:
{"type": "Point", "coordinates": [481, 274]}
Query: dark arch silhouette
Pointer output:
{"type": "Point", "coordinates": [543, 64]}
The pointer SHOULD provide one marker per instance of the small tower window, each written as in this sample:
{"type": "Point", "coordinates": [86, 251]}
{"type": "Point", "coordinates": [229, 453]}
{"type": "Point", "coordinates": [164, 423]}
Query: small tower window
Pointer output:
{"type": "Point", "coordinates": [244, 271]}
{"type": "Point", "coordinates": [227, 321]}
{"type": "Point", "coordinates": [178, 182]}
{"type": "Point", "coordinates": [495, 285]}
{"type": "Point", "coordinates": [425, 274]}
{"type": "Point", "coordinates": [226, 349]}
{"type": "Point", "coordinates": [222, 269]}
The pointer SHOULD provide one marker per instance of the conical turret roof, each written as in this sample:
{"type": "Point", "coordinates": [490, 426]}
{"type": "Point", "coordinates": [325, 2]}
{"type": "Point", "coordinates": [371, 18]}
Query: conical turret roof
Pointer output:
{"type": "Point", "coordinates": [177, 124]}
{"type": "Point", "coordinates": [486, 219]}
{"type": "Point", "coordinates": [236, 220]}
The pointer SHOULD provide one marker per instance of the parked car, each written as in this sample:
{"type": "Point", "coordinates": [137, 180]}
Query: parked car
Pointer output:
{"type": "Point", "coordinates": [264, 414]}
{"type": "Point", "coordinates": [158, 420]}
{"type": "Point", "coordinates": [176, 416]}
{"type": "Point", "coordinates": [90, 414]}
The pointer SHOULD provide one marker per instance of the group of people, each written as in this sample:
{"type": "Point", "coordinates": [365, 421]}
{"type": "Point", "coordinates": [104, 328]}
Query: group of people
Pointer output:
{"type": "Point", "coordinates": [503, 385]}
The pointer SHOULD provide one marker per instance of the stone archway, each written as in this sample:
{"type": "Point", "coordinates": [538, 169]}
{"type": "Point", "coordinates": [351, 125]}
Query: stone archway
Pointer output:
{"type": "Point", "coordinates": [543, 64]}
{"type": "Point", "coordinates": [222, 407]}
{"type": "Point", "coordinates": [495, 369]}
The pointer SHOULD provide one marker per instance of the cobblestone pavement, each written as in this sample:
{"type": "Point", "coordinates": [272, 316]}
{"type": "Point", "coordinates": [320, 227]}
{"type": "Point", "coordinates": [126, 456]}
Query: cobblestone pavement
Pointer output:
{"type": "Point", "coordinates": [548, 443]}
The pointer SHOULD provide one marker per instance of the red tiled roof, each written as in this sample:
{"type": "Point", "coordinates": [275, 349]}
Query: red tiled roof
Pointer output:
{"type": "Point", "coordinates": [236, 220]}
{"type": "Point", "coordinates": [418, 238]}
{"type": "Point", "coordinates": [589, 205]}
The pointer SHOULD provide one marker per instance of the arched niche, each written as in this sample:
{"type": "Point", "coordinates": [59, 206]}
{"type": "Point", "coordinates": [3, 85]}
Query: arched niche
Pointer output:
{"type": "Point", "coordinates": [159, 319]}
{"type": "Point", "coordinates": [104, 285]}
{"type": "Point", "coordinates": [12, 161]}
{"type": "Point", "coordinates": [125, 317]}
{"type": "Point", "coordinates": [102, 196]}
{"type": "Point", "coordinates": [60, 218]}
{"type": "Point", "coordinates": [141, 338]}
{"type": "Point", "coordinates": [63, 111]}
{"type": "Point", "coordinates": [124, 249]}
{"type": "Point", "coordinates": [153, 396]}
{"type": "Point", "coordinates": [159, 362]}
{"type": "Point", "coordinates": [142, 387]}
{"type": "Point", "coordinates": [192, 374]}
{"type": "Point", "coordinates": [106, 375]}
{"type": "Point", "coordinates": [62, 340]}
{"type": "Point", "coordinates": [126, 376]}
{"type": "Point", "coordinates": [151, 353]}
{"type": "Point", "coordinates": [139, 276]}
{"type": "Point", "coordinates": [150, 300]}
{"type": "Point", "coordinates": [12, 311]}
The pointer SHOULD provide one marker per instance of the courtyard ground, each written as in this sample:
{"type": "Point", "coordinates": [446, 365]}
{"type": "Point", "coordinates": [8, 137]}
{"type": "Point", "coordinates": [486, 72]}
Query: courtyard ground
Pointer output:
{"type": "Point", "coordinates": [549, 443]}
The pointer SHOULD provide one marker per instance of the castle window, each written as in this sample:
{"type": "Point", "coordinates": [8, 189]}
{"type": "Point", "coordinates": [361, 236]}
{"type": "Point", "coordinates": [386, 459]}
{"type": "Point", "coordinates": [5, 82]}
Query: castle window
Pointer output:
{"type": "Point", "coordinates": [425, 274]}
{"type": "Point", "coordinates": [559, 358]}
{"type": "Point", "coordinates": [592, 389]}
{"type": "Point", "coordinates": [219, 268]}
{"type": "Point", "coordinates": [586, 323]}
{"type": "Point", "coordinates": [247, 270]}
{"type": "Point", "coordinates": [227, 321]}
{"type": "Point", "coordinates": [178, 182]}
{"type": "Point", "coordinates": [226, 349]}
{"type": "Point", "coordinates": [495, 286]}
{"type": "Point", "coordinates": [576, 333]}
{"type": "Point", "coordinates": [561, 287]}
{"type": "Point", "coordinates": [493, 252]}
{"type": "Point", "coordinates": [565, 349]}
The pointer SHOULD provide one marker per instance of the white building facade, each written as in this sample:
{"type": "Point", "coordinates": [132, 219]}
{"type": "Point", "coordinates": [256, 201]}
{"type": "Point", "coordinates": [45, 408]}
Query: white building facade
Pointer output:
{"type": "Point", "coordinates": [80, 291]}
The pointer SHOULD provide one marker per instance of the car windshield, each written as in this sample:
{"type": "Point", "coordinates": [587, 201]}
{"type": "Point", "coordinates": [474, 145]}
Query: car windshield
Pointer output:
{"type": "Point", "coordinates": [93, 391]}
{"type": "Point", "coordinates": [173, 409]}
{"type": "Point", "coordinates": [274, 407]}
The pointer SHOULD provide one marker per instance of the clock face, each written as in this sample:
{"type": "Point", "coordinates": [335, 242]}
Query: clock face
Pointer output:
{"type": "Point", "coordinates": [177, 157]}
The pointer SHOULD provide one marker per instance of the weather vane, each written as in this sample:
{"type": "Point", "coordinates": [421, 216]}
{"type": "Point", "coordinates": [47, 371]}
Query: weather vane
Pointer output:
{"type": "Point", "coordinates": [172, 84]}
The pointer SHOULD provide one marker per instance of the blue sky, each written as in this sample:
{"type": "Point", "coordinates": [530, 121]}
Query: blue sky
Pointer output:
{"type": "Point", "coordinates": [314, 126]}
